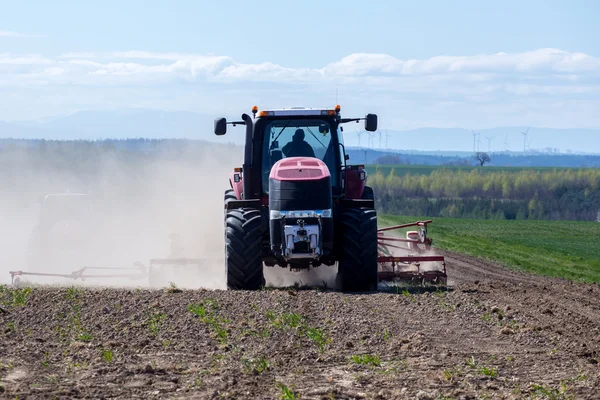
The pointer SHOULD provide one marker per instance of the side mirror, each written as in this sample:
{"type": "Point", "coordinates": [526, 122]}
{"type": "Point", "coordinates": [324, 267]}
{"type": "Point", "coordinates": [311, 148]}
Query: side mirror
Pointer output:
{"type": "Point", "coordinates": [220, 126]}
{"type": "Point", "coordinates": [371, 122]}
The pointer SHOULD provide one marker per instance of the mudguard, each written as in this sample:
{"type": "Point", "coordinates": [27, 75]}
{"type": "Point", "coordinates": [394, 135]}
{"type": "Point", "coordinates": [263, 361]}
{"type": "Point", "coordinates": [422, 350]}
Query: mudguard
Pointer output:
{"type": "Point", "coordinates": [238, 187]}
{"type": "Point", "coordinates": [355, 179]}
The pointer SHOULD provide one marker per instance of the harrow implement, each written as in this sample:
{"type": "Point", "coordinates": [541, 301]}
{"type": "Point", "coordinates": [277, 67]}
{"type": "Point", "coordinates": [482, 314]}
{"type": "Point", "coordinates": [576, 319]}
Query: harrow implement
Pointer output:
{"type": "Point", "coordinates": [82, 273]}
{"type": "Point", "coordinates": [154, 275]}
{"type": "Point", "coordinates": [395, 267]}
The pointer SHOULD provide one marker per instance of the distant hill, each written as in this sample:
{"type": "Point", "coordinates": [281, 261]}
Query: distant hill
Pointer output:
{"type": "Point", "coordinates": [130, 123]}
{"type": "Point", "coordinates": [447, 142]}
{"type": "Point", "coordinates": [545, 140]}
{"type": "Point", "coordinates": [356, 155]}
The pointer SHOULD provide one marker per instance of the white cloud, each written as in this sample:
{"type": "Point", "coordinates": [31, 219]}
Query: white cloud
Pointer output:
{"type": "Point", "coordinates": [15, 34]}
{"type": "Point", "coordinates": [27, 61]}
{"type": "Point", "coordinates": [537, 67]}
{"type": "Point", "coordinates": [534, 80]}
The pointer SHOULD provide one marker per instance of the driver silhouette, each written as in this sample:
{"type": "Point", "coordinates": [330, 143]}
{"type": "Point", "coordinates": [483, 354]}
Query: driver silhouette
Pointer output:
{"type": "Point", "coordinates": [298, 147]}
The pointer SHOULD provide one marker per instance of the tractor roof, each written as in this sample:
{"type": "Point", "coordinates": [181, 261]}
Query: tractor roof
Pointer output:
{"type": "Point", "coordinates": [296, 111]}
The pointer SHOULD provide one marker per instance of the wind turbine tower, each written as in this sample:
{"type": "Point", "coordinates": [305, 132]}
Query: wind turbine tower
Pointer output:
{"type": "Point", "coordinates": [506, 143]}
{"type": "Point", "coordinates": [489, 142]}
{"type": "Point", "coordinates": [525, 139]}
{"type": "Point", "coordinates": [475, 140]}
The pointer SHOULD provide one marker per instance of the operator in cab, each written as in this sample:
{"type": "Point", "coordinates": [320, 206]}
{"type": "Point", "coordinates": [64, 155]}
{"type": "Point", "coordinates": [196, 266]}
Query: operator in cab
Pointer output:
{"type": "Point", "coordinates": [298, 147]}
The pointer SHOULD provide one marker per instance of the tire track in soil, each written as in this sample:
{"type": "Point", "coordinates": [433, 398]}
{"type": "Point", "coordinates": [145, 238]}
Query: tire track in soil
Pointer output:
{"type": "Point", "coordinates": [520, 330]}
{"type": "Point", "coordinates": [571, 297]}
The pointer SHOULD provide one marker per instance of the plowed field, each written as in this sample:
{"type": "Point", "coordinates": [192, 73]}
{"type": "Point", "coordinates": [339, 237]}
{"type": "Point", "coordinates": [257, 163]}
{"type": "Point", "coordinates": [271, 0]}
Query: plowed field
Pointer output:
{"type": "Point", "coordinates": [495, 333]}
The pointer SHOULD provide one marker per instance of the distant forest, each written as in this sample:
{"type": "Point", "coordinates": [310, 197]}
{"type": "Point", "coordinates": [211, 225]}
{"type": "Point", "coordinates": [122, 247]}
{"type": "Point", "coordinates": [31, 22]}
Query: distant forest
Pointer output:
{"type": "Point", "coordinates": [454, 190]}
{"type": "Point", "coordinates": [560, 194]}
{"type": "Point", "coordinates": [502, 159]}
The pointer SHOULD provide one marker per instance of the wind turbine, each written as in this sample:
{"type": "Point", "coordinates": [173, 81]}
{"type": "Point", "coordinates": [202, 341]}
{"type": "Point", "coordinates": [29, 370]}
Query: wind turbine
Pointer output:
{"type": "Point", "coordinates": [489, 142]}
{"type": "Point", "coordinates": [386, 139]}
{"type": "Point", "coordinates": [506, 143]}
{"type": "Point", "coordinates": [475, 144]}
{"type": "Point", "coordinates": [525, 139]}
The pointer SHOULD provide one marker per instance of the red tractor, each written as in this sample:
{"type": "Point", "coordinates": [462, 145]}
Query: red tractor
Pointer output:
{"type": "Point", "coordinates": [295, 203]}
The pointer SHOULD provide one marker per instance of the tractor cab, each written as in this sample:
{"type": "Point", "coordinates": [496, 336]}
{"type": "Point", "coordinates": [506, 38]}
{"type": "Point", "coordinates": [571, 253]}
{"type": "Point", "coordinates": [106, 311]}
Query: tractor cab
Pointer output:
{"type": "Point", "coordinates": [301, 137]}
{"type": "Point", "coordinates": [276, 134]}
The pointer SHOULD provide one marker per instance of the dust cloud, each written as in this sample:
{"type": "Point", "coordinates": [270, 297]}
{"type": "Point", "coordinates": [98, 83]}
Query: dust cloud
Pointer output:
{"type": "Point", "coordinates": [322, 276]}
{"type": "Point", "coordinates": [137, 200]}
{"type": "Point", "coordinates": [163, 200]}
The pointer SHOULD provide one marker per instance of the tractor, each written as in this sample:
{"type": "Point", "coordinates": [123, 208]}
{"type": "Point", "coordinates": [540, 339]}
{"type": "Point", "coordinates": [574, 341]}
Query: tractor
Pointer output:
{"type": "Point", "coordinates": [296, 203]}
{"type": "Point", "coordinates": [63, 230]}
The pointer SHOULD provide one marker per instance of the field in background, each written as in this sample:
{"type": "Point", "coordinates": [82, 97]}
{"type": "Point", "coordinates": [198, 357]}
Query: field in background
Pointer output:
{"type": "Point", "coordinates": [509, 193]}
{"type": "Point", "coordinates": [405, 169]}
{"type": "Point", "coordinates": [554, 248]}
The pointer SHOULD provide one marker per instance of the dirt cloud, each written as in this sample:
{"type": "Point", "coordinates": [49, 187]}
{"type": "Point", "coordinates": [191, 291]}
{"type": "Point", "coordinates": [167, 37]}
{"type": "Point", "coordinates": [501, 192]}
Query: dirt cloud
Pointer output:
{"type": "Point", "coordinates": [136, 200]}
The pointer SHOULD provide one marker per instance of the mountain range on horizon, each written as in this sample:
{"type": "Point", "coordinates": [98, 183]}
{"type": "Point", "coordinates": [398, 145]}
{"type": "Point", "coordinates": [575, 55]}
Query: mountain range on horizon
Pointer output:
{"type": "Point", "coordinates": [153, 124]}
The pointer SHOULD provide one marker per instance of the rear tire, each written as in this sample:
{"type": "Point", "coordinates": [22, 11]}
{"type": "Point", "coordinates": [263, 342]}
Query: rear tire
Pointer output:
{"type": "Point", "coordinates": [229, 195]}
{"type": "Point", "coordinates": [243, 262]}
{"type": "Point", "coordinates": [357, 268]}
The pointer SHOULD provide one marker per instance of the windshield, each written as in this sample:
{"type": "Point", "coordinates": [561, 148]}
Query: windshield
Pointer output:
{"type": "Point", "coordinates": [298, 138]}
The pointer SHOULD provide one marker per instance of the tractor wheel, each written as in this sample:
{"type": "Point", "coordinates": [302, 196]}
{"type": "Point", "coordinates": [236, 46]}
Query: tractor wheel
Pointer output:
{"type": "Point", "coordinates": [243, 235]}
{"type": "Point", "coordinates": [357, 268]}
{"type": "Point", "coordinates": [229, 195]}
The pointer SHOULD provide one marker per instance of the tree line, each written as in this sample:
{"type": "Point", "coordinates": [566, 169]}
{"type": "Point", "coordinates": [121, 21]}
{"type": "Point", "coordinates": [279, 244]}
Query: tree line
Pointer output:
{"type": "Point", "coordinates": [27, 166]}
{"type": "Point", "coordinates": [565, 194]}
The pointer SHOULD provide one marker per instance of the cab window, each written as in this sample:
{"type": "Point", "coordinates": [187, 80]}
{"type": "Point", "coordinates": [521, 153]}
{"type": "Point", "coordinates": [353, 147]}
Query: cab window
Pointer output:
{"type": "Point", "coordinates": [297, 138]}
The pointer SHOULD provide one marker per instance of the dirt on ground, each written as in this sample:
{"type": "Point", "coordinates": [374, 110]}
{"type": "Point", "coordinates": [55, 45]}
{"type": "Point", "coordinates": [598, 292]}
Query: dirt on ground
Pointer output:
{"type": "Point", "coordinates": [494, 333]}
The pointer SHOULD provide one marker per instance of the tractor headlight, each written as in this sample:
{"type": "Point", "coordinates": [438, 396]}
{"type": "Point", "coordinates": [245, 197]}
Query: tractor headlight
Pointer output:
{"type": "Point", "coordinates": [326, 214]}
{"type": "Point", "coordinates": [275, 214]}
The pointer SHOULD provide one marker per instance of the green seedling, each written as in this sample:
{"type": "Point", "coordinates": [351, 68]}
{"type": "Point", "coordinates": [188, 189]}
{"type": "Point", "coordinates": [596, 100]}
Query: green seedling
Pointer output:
{"type": "Point", "coordinates": [471, 362]}
{"type": "Point", "coordinates": [286, 393]}
{"type": "Point", "coordinates": [318, 336]}
{"type": "Point", "coordinates": [366, 359]}
{"type": "Point", "coordinates": [107, 355]}
{"type": "Point", "coordinates": [20, 297]}
{"type": "Point", "coordinates": [207, 311]}
{"type": "Point", "coordinates": [155, 322]}
{"type": "Point", "coordinates": [487, 371]}
{"type": "Point", "coordinates": [255, 365]}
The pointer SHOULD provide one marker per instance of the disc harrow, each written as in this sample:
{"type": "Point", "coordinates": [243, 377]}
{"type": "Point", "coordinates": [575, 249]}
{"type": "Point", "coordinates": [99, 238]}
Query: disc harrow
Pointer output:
{"type": "Point", "coordinates": [393, 267]}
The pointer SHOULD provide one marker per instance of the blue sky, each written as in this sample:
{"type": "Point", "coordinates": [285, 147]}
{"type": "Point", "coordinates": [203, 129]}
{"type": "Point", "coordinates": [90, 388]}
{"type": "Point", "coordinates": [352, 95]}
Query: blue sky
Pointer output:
{"type": "Point", "coordinates": [465, 64]}
{"type": "Point", "coordinates": [307, 33]}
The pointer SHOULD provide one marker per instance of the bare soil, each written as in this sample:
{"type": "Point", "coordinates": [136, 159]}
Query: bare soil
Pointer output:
{"type": "Point", "coordinates": [495, 333]}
